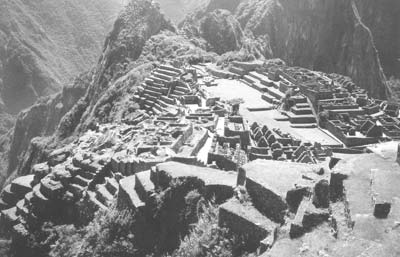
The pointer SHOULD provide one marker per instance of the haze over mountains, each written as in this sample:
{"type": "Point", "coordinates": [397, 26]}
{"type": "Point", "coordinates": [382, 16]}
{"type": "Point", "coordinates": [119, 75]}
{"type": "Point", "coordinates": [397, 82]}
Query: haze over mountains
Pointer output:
{"type": "Point", "coordinates": [44, 44]}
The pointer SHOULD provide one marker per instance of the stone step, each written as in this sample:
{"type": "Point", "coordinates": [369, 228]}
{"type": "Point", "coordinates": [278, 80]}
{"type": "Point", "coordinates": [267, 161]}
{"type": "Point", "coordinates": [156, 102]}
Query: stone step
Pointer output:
{"type": "Point", "coordinates": [86, 174]}
{"type": "Point", "coordinates": [293, 118]}
{"type": "Point", "coordinates": [301, 111]}
{"type": "Point", "coordinates": [40, 203]}
{"type": "Point", "coordinates": [147, 107]}
{"type": "Point", "coordinates": [270, 99]}
{"type": "Point", "coordinates": [251, 79]}
{"type": "Point", "coordinates": [303, 105]}
{"type": "Point", "coordinates": [96, 204]}
{"type": "Point", "coordinates": [8, 196]}
{"type": "Point", "coordinates": [10, 216]}
{"type": "Point", "coordinates": [179, 92]}
{"type": "Point", "coordinates": [37, 195]}
{"type": "Point", "coordinates": [4, 205]}
{"type": "Point", "coordinates": [103, 195]}
{"type": "Point", "coordinates": [155, 110]}
{"type": "Point", "coordinates": [264, 80]}
{"type": "Point", "coordinates": [21, 208]}
{"type": "Point", "coordinates": [159, 80]}
{"type": "Point", "coordinates": [149, 81]}
{"type": "Point", "coordinates": [51, 189]}
{"type": "Point", "coordinates": [167, 100]}
{"type": "Point", "coordinates": [148, 91]}
{"type": "Point", "coordinates": [28, 198]}
{"type": "Point", "coordinates": [276, 93]}
{"type": "Point", "coordinates": [157, 106]}
{"type": "Point", "coordinates": [237, 70]}
{"type": "Point", "coordinates": [167, 72]}
{"type": "Point", "coordinates": [143, 185]}
{"type": "Point", "coordinates": [183, 88]}
{"type": "Point", "coordinates": [170, 68]}
{"type": "Point", "coordinates": [174, 96]}
{"type": "Point", "coordinates": [299, 99]}
{"type": "Point", "coordinates": [73, 170]}
{"type": "Point", "coordinates": [151, 98]}
{"type": "Point", "coordinates": [162, 76]}
{"type": "Point", "coordinates": [22, 185]}
{"type": "Point", "coordinates": [79, 180]}
{"type": "Point", "coordinates": [76, 190]}
{"type": "Point", "coordinates": [149, 103]}
{"type": "Point", "coordinates": [159, 85]}
{"type": "Point", "coordinates": [112, 185]}
{"type": "Point", "coordinates": [160, 90]}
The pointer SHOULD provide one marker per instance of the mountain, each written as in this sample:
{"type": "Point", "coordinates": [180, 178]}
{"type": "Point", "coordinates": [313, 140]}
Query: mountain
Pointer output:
{"type": "Point", "coordinates": [140, 37]}
{"type": "Point", "coordinates": [176, 10]}
{"type": "Point", "coordinates": [44, 44]}
{"type": "Point", "coordinates": [382, 18]}
{"type": "Point", "coordinates": [332, 37]}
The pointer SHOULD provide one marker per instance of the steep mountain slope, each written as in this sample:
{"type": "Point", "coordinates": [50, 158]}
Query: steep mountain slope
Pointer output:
{"type": "Point", "coordinates": [176, 10]}
{"type": "Point", "coordinates": [322, 35]}
{"type": "Point", "coordinates": [45, 43]}
{"type": "Point", "coordinates": [382, 17]}
{"type": "Point", "coordinates": [141, 36]}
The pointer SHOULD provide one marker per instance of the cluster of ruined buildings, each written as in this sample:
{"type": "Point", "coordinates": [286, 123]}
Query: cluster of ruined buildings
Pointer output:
{"type": "Point", "coordinates": [180, 132]}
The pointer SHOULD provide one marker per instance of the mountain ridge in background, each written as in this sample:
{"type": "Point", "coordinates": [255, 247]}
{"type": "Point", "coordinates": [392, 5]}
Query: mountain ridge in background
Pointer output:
{"type": "Point", "coordinates": [44, 44]}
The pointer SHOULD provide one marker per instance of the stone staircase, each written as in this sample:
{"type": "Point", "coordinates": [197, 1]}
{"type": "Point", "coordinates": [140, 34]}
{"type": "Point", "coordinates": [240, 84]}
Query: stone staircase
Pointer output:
{"type": "Point", "coordinates": [262, 83]}
{"type": "Point", "coordinates": [161, 90]}
{"type": "Point", "coordinates": [302, 112]}
{"type": "Point", "coordinates": [30, 201]}
{"type": "Point", "coordinates": [13, 201]}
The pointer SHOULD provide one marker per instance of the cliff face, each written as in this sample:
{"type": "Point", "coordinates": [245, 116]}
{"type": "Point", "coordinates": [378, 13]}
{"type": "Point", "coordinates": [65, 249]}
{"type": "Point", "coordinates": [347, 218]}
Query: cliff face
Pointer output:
{"type": "Point", "coordinates": [382, 18]}
{"type": "Point", "coordinates": [43, 44]}
{"type": "Point", "coordinates": [322, 35]}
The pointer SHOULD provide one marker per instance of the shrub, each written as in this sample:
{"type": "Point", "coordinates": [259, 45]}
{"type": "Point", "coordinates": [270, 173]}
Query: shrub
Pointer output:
{"type": "Point", "coordinates": [208, 239]}
{"type": "Point", "coordinates": [109, 234]}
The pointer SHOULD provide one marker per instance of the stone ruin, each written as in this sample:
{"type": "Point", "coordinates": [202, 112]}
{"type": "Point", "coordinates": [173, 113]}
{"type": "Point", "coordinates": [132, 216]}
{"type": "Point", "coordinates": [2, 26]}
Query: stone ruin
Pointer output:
{"type": "Point", "coordinates": [183, 134]}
